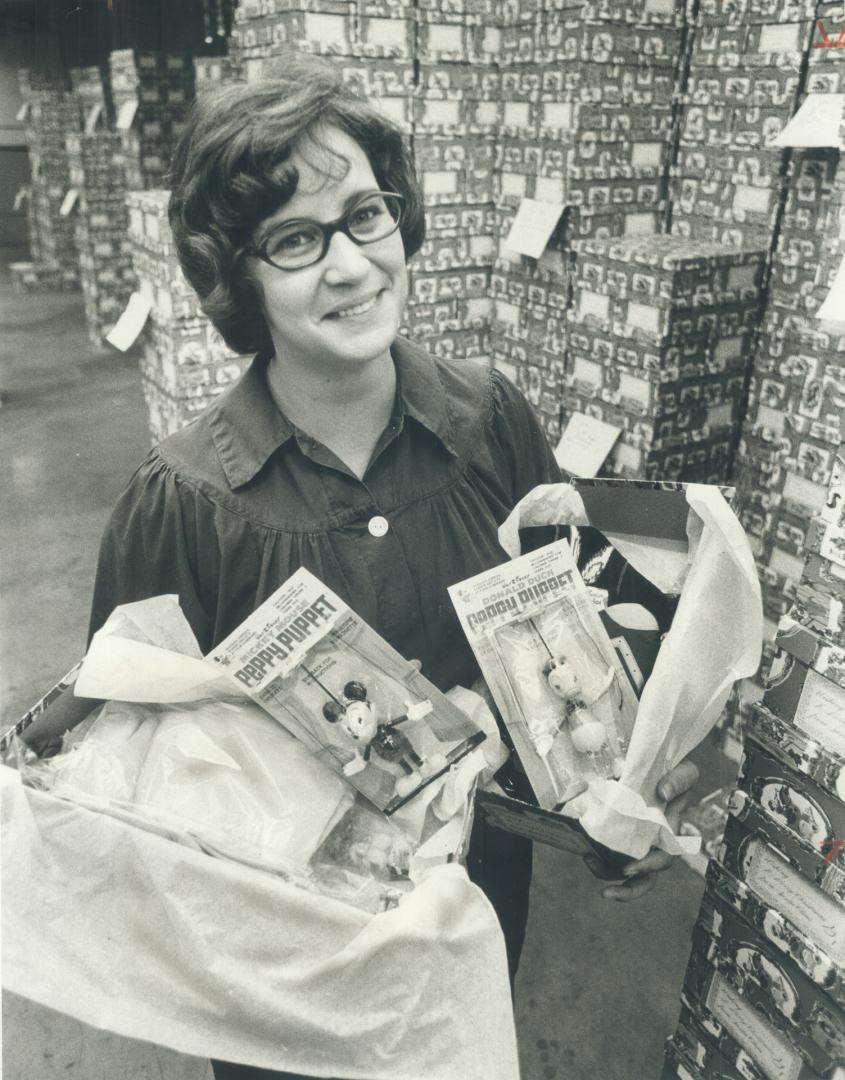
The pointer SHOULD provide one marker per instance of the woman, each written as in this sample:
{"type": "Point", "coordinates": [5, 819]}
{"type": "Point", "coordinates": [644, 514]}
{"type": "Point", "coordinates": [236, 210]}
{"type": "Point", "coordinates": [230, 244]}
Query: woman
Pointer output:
{"type": "Point", "coordinates": [344, 448]}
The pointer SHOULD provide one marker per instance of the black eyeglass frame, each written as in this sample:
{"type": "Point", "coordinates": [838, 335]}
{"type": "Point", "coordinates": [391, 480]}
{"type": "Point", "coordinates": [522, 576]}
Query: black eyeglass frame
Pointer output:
{"type": "Point", "coordinates": [328, 229]}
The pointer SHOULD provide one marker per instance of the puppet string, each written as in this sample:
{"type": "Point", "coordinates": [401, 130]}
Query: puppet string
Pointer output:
{"type": "Point", "coordinates": [325, 689]}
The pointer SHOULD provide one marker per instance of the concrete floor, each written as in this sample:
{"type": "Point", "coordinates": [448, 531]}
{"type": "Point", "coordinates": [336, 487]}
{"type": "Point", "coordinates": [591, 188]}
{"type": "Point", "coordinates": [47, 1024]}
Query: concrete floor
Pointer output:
{"type": "Point", "coordinates": [599, 986]}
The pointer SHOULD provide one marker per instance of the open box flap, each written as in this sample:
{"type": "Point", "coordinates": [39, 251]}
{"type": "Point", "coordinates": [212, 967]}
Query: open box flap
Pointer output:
{"type": "Point", "coordinates": [660, 556]}
{"type": "Point", "coordinates": [715, 638]}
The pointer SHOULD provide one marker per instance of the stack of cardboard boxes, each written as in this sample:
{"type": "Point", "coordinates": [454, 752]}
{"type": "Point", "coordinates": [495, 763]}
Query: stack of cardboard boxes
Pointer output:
{"type": "Point", "coordinates": [797, 385]}
{"type": "Point", "coordinates": [48, 112]}
{"type": "Point", "coordinates": [456, 117]}
{"type": "Point", "coordinates": [97, 177]}
{"type": "Point", "coordinates": [764, 994]}
{"type": "Point", "coordinates": [744, 75]}
{"type": "Point", "coordinates": [586, 134]}
{"type": "Point", "coordinates": [185, 363]}
{"type": "Point", "coordinates": [659, 345]}
{"type": "Point", "coordinates": [151, 92]}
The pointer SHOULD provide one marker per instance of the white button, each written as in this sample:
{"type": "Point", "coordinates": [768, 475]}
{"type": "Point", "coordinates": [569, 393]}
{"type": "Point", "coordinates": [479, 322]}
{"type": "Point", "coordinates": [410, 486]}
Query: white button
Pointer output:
{"type": "Point", "coordinates": [378, 526]}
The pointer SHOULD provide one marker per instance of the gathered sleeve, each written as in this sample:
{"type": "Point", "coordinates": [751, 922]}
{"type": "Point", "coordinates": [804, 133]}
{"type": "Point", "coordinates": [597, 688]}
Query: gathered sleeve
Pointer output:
{"type": "Point", "coordinates": [151, 546]}
{"type": "Point", "coordinates": [526, 454]}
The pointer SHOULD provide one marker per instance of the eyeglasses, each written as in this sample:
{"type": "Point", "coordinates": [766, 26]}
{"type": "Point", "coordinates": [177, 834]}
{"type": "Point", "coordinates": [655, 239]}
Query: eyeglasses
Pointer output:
{"type": "Point", "coordinates": [297, 244]}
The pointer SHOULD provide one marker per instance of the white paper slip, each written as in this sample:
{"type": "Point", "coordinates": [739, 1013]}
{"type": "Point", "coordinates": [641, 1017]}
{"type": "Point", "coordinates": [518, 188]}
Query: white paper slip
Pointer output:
{"type": "Point", "coordinates": [833, 309]}
{"type": "Point", "coordinates": [585, 444]}
{"type": "Point", "coordinates": [93, 115]}
{"type": "Point", "coordinates": [130, 324]}
{"type": "Point", "coordinates": [816, 124]}
{"type": "Point", "coordinates": [69, 201]}
{"type": "Point", "coordinates": [532, 227]}
{"type": "Point", "coordinates": [21, 196]}
{"type": "Point", "coordinates": [126, 114]}
{"type": "Point", "coordinates": [22, 113]}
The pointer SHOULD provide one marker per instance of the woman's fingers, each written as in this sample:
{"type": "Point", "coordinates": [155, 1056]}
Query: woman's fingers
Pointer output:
{"type": "Point", "coordinates": [677, 781]}
{"type": "Point", "coordinates": [632, 889]}
{"type": "Point", "coordinates": [655, 862]}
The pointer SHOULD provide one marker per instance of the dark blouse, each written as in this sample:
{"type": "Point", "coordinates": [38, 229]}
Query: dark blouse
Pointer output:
{"type": "Point", "coordinates": [226, 510]}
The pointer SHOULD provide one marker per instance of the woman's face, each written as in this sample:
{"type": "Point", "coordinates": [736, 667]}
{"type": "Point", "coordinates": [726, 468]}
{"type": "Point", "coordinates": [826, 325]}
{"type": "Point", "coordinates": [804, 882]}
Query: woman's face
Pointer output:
{"type": "Point", "coordinates": [345, 309]}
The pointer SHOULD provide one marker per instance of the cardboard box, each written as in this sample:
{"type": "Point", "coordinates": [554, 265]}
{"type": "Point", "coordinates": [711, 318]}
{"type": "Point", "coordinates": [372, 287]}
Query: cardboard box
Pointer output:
{"type": "Point", "coordinates": [676, 1066]}
{"type": "Point", "coordinates": [760, 168]}
{"type": "Point", "coordinates": [814, 815]}
{"type": "Point", "coordinates": [823, 868]}
{"type": "Point", "coordinates": [650, 322]}
{"type": "Point", "coordinates": [703, 1046]}
{"type": "Point", "coordinates": [792, 915]}
{"type": "Point", "coordinates": [669, 271]}
{"type": "Point", "coordinates": [738, 1028]}
{"type": "Point", "coordinates": [770, 981]}
{"type": "Point", "coordinates": [813, 646]}
{"type": "Point", "coordinates": [799, 696]}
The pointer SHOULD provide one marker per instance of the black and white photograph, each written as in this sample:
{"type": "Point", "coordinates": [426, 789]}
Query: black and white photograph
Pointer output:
{"type": "Point", "coordinates": [423, 431]}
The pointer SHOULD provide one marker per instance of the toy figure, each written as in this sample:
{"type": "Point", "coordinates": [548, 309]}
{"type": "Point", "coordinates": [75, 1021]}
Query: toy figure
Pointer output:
{"type": "Point", "coordinates": [587, 732]}
{"type": "Point", "coordinates": [358, 718]}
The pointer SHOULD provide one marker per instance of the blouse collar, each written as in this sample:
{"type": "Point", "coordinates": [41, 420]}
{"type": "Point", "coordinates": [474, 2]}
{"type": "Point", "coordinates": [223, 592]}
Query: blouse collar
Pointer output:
{"type": "Point", "coordinates": [247, 428]}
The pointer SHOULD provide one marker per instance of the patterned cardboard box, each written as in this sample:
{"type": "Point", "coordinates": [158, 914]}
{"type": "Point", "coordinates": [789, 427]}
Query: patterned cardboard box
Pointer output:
{"type": "Point", "coordinates": [769, 980]}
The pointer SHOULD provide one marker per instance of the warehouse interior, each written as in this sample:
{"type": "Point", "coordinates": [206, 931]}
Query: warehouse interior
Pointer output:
{"type": "Point", "coordinates": [650, 126]}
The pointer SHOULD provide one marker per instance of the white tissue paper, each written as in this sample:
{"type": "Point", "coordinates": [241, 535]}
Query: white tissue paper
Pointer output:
{"type": "Point", "coordinates": [108, 920]}
{"type": "Point", "coordinates": [715, 639]}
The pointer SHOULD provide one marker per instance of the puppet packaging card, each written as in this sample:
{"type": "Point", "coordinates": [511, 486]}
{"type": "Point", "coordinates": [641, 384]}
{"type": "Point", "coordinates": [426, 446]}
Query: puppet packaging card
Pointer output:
{"type": "Point", "coordinates": [332, 681]}
{"type": "Point", "coordinates": [566, 699]}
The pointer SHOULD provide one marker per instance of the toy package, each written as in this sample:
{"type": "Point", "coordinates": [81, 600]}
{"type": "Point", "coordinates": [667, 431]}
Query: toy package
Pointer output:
{"type": "Point", "coordinates": [564, 694]}
{"type": "Point", "coordinates": [663, 564]}
{"type": "Point", "coordinates": [225, 778]}
{"type": "Point", "coordinates": [335, 684]}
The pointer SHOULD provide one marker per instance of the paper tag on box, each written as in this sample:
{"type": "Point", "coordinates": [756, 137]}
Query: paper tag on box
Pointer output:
{"type": "Point", "coordinates": [125, 331]}
{"type": "Point", "coordinates": [585, 445]}
{"type": "Point", "coordinates": [93, 115]}
{"type": "Point", "coordinates": [69, 201]}
{"type": "Point", "coordinates": [833, 309]}
{"type": "Point", "coordinates": [533, 226]}
{"type": "Point", "coordinates": [126, 114]}
{"type": "Point", "coordinates": [816, 124]}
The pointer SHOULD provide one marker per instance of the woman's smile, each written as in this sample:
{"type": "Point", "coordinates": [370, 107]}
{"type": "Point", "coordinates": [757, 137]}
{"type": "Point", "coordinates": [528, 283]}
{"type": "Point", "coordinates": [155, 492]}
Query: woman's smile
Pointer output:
{"type": "Point", "coordinates": [360, 308]}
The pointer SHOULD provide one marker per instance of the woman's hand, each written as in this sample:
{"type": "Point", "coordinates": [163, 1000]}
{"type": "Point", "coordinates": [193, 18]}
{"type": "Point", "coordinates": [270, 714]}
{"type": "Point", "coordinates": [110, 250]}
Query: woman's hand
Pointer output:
{"type": "Point", "coordinates": [641, 874]}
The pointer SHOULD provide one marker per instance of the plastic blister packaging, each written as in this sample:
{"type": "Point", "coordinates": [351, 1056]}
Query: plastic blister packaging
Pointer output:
{"type": "Point", "coordinates": [332, 681]}
{"type": "Point", "coordinates": [568, 693]}
{"type": "Point", "coordinates": [564, 694]}
{"type": "Point", "coordinates": [226, 778]}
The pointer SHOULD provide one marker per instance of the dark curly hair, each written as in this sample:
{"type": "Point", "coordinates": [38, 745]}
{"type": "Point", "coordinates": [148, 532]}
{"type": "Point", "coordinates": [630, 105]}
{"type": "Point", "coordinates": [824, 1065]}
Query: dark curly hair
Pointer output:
{"type": "Point", "coordinates": [231, 169]}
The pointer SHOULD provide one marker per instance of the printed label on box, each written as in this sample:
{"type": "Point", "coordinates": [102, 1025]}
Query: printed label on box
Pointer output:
{"type": "Point", "coordinates": [779, 1060]}
{"type": "Point", "coordinates": [784, 889]}
{"type": "Point", "coordinates": [820, 712]}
